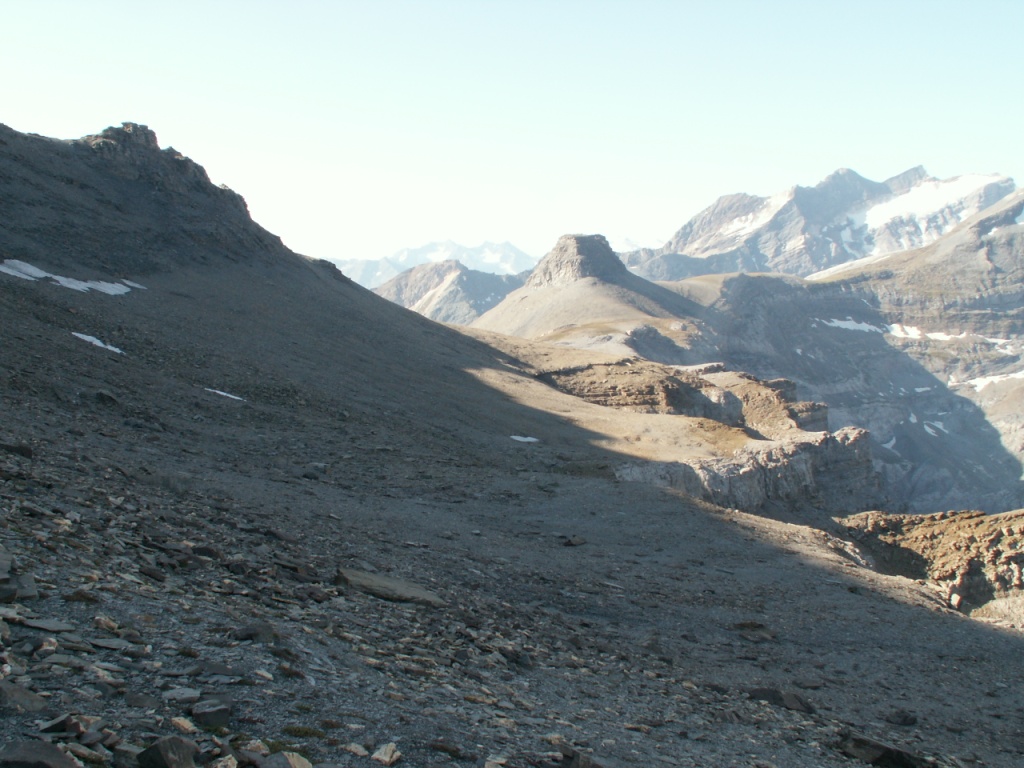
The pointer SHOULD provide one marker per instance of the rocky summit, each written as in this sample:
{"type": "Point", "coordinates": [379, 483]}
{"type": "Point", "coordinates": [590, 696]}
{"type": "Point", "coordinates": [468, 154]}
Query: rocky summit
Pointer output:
{"type": "Point", "coordinates": [252, 514]}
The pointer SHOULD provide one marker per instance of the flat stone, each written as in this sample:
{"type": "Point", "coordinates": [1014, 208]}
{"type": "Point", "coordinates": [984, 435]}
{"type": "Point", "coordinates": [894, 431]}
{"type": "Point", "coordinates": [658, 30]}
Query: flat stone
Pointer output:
{"type": "Point", "coordinates": [49, 625]}
{"type": "Point", "coordinates": [34, 754]}
{"type": "Point", "coordinates": [286, 760]}
{"type": "Point", "coordinates": [142, 700]}
{"type": "Point", "coordinates": [183, 695]}
{"type": "Point", "coordinates": [6, 563]}
{"type": "Point", "coordinates": [110, 643]}
{"type": "Point", "coordinates": [211, 714]}
{"type": "Point", "coordinates": [260, 632]}
{"type": "Point", "coordinates": [13, 696]}
{"type": "Point", "coordinates": [169, 752]}
{"type": "Point", "coordinates": [876, 752]}
{"type": "Point", "coordinates": [387, 755]}
{"type": "Point", "coordinates": [388, 588]}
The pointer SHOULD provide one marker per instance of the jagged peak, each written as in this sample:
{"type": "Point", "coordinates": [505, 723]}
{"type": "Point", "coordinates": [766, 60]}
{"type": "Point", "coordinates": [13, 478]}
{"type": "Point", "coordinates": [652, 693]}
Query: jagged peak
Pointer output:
{"type": "Point", "coordinates": [575, 257]}
{"type": "Point", "coordinates": [901, 182]}
{"type": "Point", "coordinates": [128, 135]}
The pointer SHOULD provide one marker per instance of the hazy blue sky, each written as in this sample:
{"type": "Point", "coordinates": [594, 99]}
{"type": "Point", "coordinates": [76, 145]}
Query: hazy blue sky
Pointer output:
{"type": "Point", "coordinates": [354, 129]}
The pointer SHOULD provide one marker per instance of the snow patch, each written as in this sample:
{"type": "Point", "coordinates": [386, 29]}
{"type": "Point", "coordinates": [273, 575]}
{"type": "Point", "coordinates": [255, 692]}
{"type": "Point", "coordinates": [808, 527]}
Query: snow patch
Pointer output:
{"type": "Point", "coordinates": [890, 444]}
{"type": "Point", "coordinates": [913, 418]}
{"type": "Point", "coordinates": [749, 224]}
{"type": "Point", "coordinates": [26, 271]}
{"type": "Point", "coordinates": [852, 325]}
{"type": "Point", "coordinates": [96, 342]}
{"type": "Point", "coordinates": [928, 199]}
{"type": "Point", "coordinates": [522, 439]}
{"type": "Point", "coordinates": [983, 381]}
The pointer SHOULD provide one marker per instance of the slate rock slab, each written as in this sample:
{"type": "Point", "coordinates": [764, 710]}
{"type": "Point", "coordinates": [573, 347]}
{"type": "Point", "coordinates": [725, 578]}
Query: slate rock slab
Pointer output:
{"type": "Point", "coordinates": [13, 696]}
{"type": "Point", "coordinates": [388, 588]}
{"type": "Point", "coordinates": [34, 754]}
{"type": "Point", "coordinates": [169, 752]}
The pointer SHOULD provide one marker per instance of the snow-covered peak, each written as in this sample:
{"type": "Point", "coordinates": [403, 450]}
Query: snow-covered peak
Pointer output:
{"type": "Point", "coordinates": [961, 196]}
{"type": "Point", "coordinates": [495, 258]}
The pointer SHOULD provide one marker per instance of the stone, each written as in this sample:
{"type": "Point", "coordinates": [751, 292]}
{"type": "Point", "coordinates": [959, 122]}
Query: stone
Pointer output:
{"type": "Point", "coordinates": [387, 754]}
{"type": "Point", "coordinates": [388, 588]}
{"type": "Point", "coordinates": [169, 752]}
{"type": "Point", "coordinates": [142, 700]}
{"type": "Point", "coordinates": [787, 699]}
{"type": "Point", "coordinates": [260, 632]}
{"type": "Point", "coordinates": [184, 725]}
{"type": "Point", "coordinates": [34, 754]}
{"type": "Point", "coordinates": [875, 752]}
{"type": "Point", "coordinates": [126, 755]}
{"type": "Point", "coordinates": [183, 695]}
{"type": "Point", "coordinates": [49, 625]}
{"type": "Point", "coordinates": [211, 713]}
{"type": "Point", "coordinates": [286, 760]}
{"type": "Point", "coordinates": [14, 696]}
{"type": "Point", "coordinates": [110, 643]}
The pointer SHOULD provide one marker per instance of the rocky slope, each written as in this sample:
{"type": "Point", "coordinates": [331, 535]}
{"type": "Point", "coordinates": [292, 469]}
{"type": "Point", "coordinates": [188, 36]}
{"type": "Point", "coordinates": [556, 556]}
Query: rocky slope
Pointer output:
{"type": "Point", "coordinates": [247, 504]}
{"type": "Point", "coordinates": [804, 230]}
{"type": "Point", "coordinates": [448, 291]}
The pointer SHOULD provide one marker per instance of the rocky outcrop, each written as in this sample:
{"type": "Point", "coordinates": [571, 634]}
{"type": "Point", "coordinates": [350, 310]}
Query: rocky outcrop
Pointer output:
{"type": "Point", "coordinates": [646, 388]}
{"type": "Point", "coordinates": [975, 558]}
{"type": "Point", "coordinates": [575, 257]}
{"type": "Point", "coordinates": [810, 474]}
{"type": "Point", "coordinates": [120, 194]}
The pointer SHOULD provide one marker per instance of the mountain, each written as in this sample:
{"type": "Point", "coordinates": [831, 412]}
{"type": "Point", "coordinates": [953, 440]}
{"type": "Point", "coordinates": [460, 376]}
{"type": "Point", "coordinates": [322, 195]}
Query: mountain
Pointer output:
{"type": "Point", "coordinates": [494, 258]}
{"type": "Point", "coordinates": [922, 348]}
{"type": "Point", "coordinates": [581, 289]}
{"type": "Point", "coordinates": [254, 514]}
{"type": "Point", "coordinates": [447, 291]}
{"type": "Point", "coordinates": [804, 230]}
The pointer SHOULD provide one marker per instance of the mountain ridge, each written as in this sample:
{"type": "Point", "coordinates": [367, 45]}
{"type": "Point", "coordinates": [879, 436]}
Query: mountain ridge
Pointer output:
{"type": "Point", "coordinates": [804, 230]}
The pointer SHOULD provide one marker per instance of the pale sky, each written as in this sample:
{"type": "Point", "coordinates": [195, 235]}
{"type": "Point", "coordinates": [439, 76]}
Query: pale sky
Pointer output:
{"type": "Point", "coordinates": [357, 128]}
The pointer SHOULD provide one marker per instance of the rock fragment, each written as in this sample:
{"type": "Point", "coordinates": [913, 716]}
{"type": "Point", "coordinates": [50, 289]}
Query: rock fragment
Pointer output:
{"type": "Point", "coordinates": [169, 752]}
{"type": "Point", "coordinates": [34, 754]}
{"type": "Point", "coordinates": [387, 754]}
{"type": "Point", "coordinates": [388, 588]}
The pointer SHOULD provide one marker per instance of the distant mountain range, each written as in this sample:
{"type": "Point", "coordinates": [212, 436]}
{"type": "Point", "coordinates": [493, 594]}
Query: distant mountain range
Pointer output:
{"type": "Point", "coordinates": [448, 291]}
{"type": "Point", "coordinates": [494, 258]}
{"type": "Point", "coordinates": [802, 231]}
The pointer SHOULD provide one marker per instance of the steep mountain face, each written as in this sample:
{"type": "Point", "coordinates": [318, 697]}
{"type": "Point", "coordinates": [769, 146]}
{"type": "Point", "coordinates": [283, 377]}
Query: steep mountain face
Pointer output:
{"type": "Point", "coordinates": [493, 258]}
{"type": "Point", "coordinates": [804, 230]}
{"type": "Point", "coordinates": [448, 291]}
